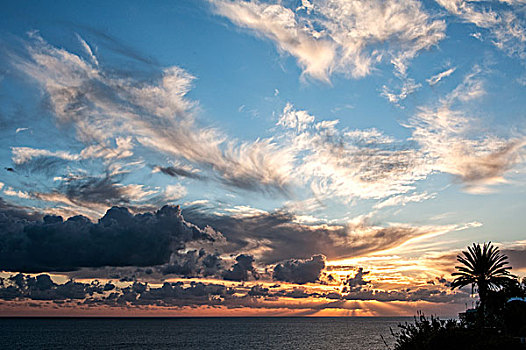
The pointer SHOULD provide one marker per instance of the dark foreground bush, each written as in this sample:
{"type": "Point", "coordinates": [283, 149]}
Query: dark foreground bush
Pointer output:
{"type": "Point", "coordinates": [434, 334]}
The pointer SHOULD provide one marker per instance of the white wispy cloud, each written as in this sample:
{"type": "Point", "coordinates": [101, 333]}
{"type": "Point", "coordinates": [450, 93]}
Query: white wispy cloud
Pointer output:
{"type": "Point", "coordinates": [435, 79]}
{"type": "Point", "coordinates": [315, 54]}
{"type": "Point", "coordinates": [24, 154]}
{"type": "Point", "coordinates": [157, 114]}
{"type": "Point", "coordinates": [294, 119]}
{"type": "Point", "coordinates": [113, 114]}
{"type": "Point", "coordinates": [136, 192]}
{"type": "Point", "coordinates": [123, 149]}
{"type": "Point", "coordinates": [471, 88]}
{"type": "Point", "coordinates": [409, 86]}
{"type": "Point", "coordinates": [402, 200]}
{"type": "Point", "coordinates": [444, 134]}
{"type": "Point", "coordinates": [506, 25]}
{"type": "Point", "coordinates": [88, 50]}
{"type": "Point", "coordinates": [10, 191]}
{"type": "Point", "coordinates": [349, 164]}
{"type": "Point", "coordinates": [173, 192]}
{"type": "Point", "coordinates": [340, 36]}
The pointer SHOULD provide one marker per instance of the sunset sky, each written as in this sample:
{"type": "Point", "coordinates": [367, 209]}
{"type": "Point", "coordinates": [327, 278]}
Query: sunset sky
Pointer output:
{"type": "Point", "coordinates": [218, 157]}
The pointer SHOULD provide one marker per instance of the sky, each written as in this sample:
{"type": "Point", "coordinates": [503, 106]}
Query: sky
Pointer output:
{"type": "Point", "coordinates": [272, 158]}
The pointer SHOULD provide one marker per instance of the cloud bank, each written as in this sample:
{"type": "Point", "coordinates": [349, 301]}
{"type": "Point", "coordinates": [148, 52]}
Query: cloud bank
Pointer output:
{"type": "Point", "coordinates": [119, 238]}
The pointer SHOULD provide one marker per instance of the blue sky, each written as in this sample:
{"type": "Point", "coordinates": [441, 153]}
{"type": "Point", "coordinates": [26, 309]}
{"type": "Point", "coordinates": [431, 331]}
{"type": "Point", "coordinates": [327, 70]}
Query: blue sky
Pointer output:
{"type": "Point", "coordinates": [399, 124]}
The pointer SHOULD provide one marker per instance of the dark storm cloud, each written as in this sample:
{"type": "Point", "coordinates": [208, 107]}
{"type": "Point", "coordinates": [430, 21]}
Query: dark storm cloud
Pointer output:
{"type": "Point", "coordinates": [175, 294]}
{"type": "Point", "coordinates": [285, 239]}
{"type": "Point", "coordinates": [168, 295]}
{"type": "Point", "coordinates": [241, 269]}
{"type": "Point", "coordinates": [193, 263]}
{"type": "Point", "coordinates": [119, 238]}
{"type": "Point", "coordinates": [178, 294]}
{"type": "Point", "coordinates": [357, 281]}
{"type": "Point", "coordinates": [42, 287]}
{"type": "Point", "coordinates": [9, 211]}
{"type": "Point", "coordinates": [517, 257]}
{"type": "Point", "coordinates": [258, 291]}
{"type": "Point", "coordinates": [300, 270]}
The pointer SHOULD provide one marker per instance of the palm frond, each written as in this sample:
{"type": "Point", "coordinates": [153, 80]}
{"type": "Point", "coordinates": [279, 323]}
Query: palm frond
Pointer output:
{"type": "Point", "coordinates": [484, 266]}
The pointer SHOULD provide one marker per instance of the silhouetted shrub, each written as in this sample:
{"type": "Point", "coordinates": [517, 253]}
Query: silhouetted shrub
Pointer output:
{"type": "Point", "coordinates": [435, 334]}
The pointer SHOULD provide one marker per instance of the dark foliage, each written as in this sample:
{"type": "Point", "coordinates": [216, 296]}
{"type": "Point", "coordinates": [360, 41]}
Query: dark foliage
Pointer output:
{"type": "Point", "coordinates": [499, 320]}
{"type": "Point", "coordinates": [435, 334]}
{"type": "Point", "coordinates": [484, 267]}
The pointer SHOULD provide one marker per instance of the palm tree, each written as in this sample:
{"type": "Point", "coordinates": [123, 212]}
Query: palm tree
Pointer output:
{"type": "Point", "coordinates": [484, 267]}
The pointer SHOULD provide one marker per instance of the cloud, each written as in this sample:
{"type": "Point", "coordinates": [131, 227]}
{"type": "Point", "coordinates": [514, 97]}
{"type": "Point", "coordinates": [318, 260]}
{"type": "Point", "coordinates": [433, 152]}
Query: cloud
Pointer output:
{"type": "Point", "coordinates": [295, 119]}
{"type": "Point", "coordinates": [277, 236]}
{"type": "Point", "coordinates": [24, 154]}
{"type": "Point", "coordinates": [446, 138]}
{"type": "Point", "coordinates": [433, 295]}
{"type": "Point", "coordinates": [105, 106]}
{"type": "Point", "coordinates": [315, 156]}
{"type": "Point", "coordinates": [10, 211]}
{"type": "Point", "coordinates": [193, 263]}
{"type": "Point", "coordinates": [173, 192]}
{"type": "Point", "coordinates": [517, 256]}
{"type": "Point", "coordinates": [20, 130]}
{"type": "Point", "coordinates": [42, 165]}
{"type": "Point", "coordinates": [9, 191]}
{"type": "Point", "coordinates": [88, 50]}
{"type": "Point", "coordinates": [402, 200]}
{"type": "Point", "coordinates": [340, 36]}
{"type": "Point", "coordinates": [356, 282]}
{"type": "Point", "coordinates": [123, 149]}
{"type": "Point", "coordinates": [300, 271]}
{"type": "Point", "coordinates": [175, 294]}
{"type": "Point", "coordinates": [119, 238]}
{"type": "Point", "coordinates": [95, 192]}
{"type": "Point", "coordinates": [471, 88]}
{"type": "Point", "coordinates": [503, 23]}
{"type": "Point", "coordinates": [409, 86]}
{"type": "Point", "coordinates": [279, 24]}
{"type": "Point", "coordinates": [348, 164]}
{"type": "Point", "coordinates": [181, 171]}
{"type": "Point", "coordinates": [241, 269]}
{"type": "Point", "coordinates": [42, 287]}
{"type": "Point", "coordinates": [435, 79]}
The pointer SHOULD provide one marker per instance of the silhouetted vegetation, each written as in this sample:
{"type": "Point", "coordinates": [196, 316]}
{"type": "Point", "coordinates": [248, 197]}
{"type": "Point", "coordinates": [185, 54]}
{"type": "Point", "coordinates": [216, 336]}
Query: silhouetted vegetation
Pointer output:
{"type": "Point", "coordinates": [498, 322]}
{"type": "Point", "coordinates": [484, 268]}
{"type": "Point", "coordinates": [435, 334]}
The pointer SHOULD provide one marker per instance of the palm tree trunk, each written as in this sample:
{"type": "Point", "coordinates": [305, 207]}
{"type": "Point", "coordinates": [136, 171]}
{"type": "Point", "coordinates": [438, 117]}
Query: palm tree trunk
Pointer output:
{"type": "Point", "coordinates": [483, 292]}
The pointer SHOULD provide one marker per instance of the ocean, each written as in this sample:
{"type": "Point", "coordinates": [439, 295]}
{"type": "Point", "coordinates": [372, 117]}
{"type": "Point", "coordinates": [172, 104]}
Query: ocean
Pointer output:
{"type": "Point", "coordinates": [350, 333]}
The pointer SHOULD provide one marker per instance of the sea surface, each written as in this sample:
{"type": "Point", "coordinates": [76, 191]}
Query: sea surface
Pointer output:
{"type": "Point", "coordinates": [360, 333]}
